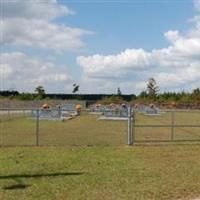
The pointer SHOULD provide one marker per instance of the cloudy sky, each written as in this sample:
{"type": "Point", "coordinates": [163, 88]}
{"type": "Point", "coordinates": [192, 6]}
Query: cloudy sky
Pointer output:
{"type": "Point", "coordinates": [101, 45]}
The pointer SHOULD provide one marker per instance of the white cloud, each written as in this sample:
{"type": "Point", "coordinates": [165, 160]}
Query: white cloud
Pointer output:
{"type": "Point", "coordinates": [41, 34]}
{"type": "Point", "coordinates": [113, 65]}
{"type": "Point", "coordinates": [34, 9]}
{"type": "Point", "coordinates": [172, 36]}
{"type": "Point", "coordinates": [175, 67]}
{"type": "Point", "coordinates": [197, 4]}
{"type": "Point", "coordinates": [180, 78]}
{"type": "Point", "coordinates": [30, 23]}
{"type": "Point", "coordinates": [26, 73]}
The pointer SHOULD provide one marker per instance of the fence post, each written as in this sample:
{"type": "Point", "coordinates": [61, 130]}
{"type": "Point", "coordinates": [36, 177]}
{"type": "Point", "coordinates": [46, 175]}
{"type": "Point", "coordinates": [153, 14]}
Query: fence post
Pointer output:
{"type": "Point", "coordinates": [37, 127]}
{"type": "Point", "coordinates": [132, 125]}
{"type": "Point", "coordinates": [9, 114]}
{"type": "Point", "coordinates": [172, 125]}
{"type": "Point", "coordinates": [130, 130]}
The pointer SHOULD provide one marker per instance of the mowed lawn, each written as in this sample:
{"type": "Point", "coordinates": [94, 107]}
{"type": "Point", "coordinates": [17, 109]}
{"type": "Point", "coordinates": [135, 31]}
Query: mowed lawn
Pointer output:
{"type": "Point", "coordinates": [87, 130]}
{"type": "Point", "coordinates": [84, 130]}
{"type": "Point", "coordinates": [90, 160]}
{"type": "Point", "coordinates": [186, 118]}
{"type": "Point", "coordinates": [100, 173]}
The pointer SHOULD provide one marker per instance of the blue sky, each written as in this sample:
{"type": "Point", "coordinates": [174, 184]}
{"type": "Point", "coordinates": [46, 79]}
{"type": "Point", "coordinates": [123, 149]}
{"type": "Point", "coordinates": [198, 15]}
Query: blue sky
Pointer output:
{"type": "Point", "coordinates": [131, 24]}
{"type": "Point", "coordinates": [100, 45]}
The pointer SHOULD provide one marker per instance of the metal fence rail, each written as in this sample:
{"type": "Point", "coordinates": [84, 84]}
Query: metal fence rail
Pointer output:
{"type": "Point", "coordinates": [58, 127]}
{"type": "Point", "coordinates": [171, 126]}
{"type": "Point", "coordinates": [35, 127]}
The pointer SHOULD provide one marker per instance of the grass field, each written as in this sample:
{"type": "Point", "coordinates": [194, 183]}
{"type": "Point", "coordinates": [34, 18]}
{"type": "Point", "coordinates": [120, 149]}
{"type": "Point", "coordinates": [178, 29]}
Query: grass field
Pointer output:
{"type": "Point", "coordinates": [164, 133]}
{"type": "Point", "coordinates": [87, 130]}
{"type": "Point", "coordinates": [84, 130]}
{"type": "Point", "coordinates": [96, 173]}
{"type": "Point", "coordinates": [90, 160]}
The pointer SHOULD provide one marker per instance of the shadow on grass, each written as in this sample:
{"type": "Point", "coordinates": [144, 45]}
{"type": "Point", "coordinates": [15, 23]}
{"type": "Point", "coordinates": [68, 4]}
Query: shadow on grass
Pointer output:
{"type": "Point", "coordinates": [21, 185]}
{"type": "Point", "coordinates": [12, 176]}
{"type": "Point", "coordinates": [16, 187]}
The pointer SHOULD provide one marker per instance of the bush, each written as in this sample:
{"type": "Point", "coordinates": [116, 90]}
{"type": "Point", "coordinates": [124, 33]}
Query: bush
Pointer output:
{"type": "Point", "coordinates": [113, 99]}
{"type": "Point", "coordinates": [26, 96]}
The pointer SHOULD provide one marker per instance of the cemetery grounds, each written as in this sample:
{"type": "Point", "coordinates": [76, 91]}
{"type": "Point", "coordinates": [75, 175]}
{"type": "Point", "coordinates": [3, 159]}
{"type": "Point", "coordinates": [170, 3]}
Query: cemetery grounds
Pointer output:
{"type": "Point", "coordinates": [86, 158]}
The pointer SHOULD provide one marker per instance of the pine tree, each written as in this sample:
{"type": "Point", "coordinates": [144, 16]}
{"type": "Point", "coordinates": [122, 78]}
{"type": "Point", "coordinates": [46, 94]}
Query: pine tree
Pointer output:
{"type": "Point", "coordinates": [119, 93]}
{"type": "Point", "coordinates": [152, 89]}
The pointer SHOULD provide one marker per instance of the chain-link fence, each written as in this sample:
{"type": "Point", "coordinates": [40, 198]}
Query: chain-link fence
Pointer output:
{"type": "Point", "coordinates": [167, 126]}
{"type": "Point", "coordinates": [58, 127]}
{"type": "Point", "coordinates": [30, 127]}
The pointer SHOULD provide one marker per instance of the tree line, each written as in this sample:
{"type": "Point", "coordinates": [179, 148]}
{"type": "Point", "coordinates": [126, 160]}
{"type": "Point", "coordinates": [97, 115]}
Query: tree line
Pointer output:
{"type": "Point", "coordinates": [150, 95]}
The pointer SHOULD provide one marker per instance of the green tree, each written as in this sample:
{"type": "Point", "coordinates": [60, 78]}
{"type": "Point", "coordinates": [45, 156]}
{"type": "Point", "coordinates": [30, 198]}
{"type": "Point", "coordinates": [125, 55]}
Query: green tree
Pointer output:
{"type": "Point", "coordinates": [40, 92]}
{"type": "Point", "coordinates": [26, 96]}
{"type": "Point", "coordinates": [119, 93]}
{"type": "Point", "coordinates": [141, 98]}
{"type": "Point", "coordinates": [152, 89]}
{"type": "Point", "coordinates": [112, 99]}
{"type": "Point", "coordinates": [76, 88]}
{"type": "Point", "coordinates": [143, 95]}
{"type": "Point", "coordinates": [196, 95]}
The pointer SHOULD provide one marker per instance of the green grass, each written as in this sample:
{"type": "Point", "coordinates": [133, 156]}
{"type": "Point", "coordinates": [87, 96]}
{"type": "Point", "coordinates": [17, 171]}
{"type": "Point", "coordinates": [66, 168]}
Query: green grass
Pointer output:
{"type": "Point", "coordinates": [91, 161]}
{"type": "Point", "coordinates": [86, 130]}
{"type": "Point", "coordinates": [95, 173]}
{"type": "Point", "coordinates": [164, 133]}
